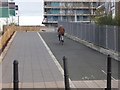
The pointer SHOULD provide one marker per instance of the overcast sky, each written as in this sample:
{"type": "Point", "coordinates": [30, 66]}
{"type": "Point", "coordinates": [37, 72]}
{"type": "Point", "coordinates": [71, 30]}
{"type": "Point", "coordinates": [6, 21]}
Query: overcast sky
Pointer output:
{"type": "Point", "coordinates": [30, 11]}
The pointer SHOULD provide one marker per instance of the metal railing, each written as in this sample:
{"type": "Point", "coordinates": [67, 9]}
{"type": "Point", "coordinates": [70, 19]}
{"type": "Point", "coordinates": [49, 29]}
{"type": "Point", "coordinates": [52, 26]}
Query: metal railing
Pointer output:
{"type": "Point", "coordinates": [105, 36]}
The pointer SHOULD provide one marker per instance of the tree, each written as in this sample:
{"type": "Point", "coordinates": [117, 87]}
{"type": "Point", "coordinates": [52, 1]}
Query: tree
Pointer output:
{"type": "Point", "coordinates": [107, 20]}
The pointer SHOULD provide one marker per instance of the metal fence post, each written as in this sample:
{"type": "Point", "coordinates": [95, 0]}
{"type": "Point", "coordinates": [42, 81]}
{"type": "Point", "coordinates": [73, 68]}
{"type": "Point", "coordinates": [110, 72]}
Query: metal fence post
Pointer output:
{"type": "Point", "coordinates": [108, 72]}
{"type": "Point", "coordinates": [15, 75]}
{"type": "Point", "coordinates": [66, 76]}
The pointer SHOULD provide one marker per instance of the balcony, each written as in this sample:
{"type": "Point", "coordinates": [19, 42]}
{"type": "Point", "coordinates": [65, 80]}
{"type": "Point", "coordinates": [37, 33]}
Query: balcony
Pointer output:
{"type": "Point", "coordinates": [69, 14]}
{"type": "Point", "coordinates": [63, 7]}
{"type": "Point", "coordinates": [49, 22]}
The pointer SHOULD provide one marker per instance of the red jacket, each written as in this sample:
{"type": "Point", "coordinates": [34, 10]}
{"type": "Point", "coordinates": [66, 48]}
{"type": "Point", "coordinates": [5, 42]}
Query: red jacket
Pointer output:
{"type": "Point", "coordinates": [61, 30]}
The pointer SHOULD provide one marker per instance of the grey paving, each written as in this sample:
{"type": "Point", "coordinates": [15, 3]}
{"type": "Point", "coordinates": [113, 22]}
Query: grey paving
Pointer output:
{"type": "Point", "coordinates": [38, 70]}
{"type": "Point", "coordinates": [36, 67]}
{"type": "Point", "coordinates": [84, 63]}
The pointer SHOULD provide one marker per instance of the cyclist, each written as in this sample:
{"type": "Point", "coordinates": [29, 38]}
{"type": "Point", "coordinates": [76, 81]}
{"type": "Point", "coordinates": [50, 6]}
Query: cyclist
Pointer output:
{"type": "Point", "coordinates": [61, 32]}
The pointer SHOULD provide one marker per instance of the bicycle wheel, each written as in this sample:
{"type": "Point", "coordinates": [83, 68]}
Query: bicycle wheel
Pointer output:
{"type": "Point", "coordinates": [62, 39]}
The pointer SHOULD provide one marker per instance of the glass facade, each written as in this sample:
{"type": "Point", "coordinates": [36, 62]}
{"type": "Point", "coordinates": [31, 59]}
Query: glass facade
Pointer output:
{"type": "Point", "coordinates": [55, 4]}
{"type": "Point", "coordinates": [4, 12]}
{"type": "Point", "coordinates": [4, 9]}
{"type": "Point", "coordinates": [69, 11]}
{"type": "Point", "coordinates": [55, 11]}
{"type": "Point", "coordinates": [7, 9]}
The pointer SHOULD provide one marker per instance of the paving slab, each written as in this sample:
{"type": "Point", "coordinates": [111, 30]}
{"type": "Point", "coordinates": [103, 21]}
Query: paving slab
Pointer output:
{"type": "Point", "coordinates": [36, 67]}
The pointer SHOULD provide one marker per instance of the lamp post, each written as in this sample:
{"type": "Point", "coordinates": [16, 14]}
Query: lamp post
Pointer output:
{"type": "Point", "coordinates": [17, 15]}
{"type": "Point", "coordinates": [9, 13]}
{"type": "Point", "coordinates": [18, 20]}
{"type": "Point", "coordinates": [61, 12]}
{"type": "Point", "coordinates": [16, 8]}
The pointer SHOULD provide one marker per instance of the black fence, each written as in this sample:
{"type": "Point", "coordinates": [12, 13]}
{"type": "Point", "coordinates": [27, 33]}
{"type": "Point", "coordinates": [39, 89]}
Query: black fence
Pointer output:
{"type": "Point", "coordinates": [104, 36]}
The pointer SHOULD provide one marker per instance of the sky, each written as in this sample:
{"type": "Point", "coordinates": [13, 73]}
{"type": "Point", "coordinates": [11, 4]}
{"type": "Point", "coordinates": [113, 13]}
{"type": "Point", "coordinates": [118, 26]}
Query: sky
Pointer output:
{"type": "Point", "coordinates": [30, 12]}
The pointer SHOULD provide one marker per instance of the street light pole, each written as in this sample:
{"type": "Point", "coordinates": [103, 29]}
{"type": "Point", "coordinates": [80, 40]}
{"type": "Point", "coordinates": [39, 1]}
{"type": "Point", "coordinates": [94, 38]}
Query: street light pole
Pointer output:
{"type": "Point", "coordinates": [16, 8]}
{"type": "Point", "coordinates": [18, 20]}
{"type": "Point", "coordinates": [9, 13]}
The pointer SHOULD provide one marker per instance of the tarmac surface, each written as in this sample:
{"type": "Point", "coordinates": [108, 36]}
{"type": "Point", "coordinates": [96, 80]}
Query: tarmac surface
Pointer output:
{"type": "Point", "coordinates": [40, 61]}
{"type": "Point", "coordinates": [84, 63]}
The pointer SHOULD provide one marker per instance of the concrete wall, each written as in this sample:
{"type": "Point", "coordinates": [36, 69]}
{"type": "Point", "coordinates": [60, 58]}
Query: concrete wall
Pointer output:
{"type": "Point", "coordinates": [26, 28]}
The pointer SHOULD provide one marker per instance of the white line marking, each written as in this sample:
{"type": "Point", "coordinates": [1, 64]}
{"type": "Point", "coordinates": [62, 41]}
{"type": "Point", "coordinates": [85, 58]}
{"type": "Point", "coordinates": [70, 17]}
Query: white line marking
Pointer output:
{"type": "Point", "coordinates": [106, 74]}
{"type": "Point", "coordinates": [55, 60]}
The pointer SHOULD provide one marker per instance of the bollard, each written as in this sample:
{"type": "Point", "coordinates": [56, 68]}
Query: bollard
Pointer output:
{"type": "Point", "coordinates": [108, 72]}
{"type": "Point", "coordinates": [66, 76]}
{"type": "Point", "coordinates": [15, 75]}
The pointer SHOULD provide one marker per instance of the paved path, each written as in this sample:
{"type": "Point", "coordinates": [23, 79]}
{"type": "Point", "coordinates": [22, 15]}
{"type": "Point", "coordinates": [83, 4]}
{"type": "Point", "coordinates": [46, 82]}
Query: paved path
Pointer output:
{"type": "Point", "coordinates": [86, 66]}
{"type": "Point", "coordinates": [84, 63]}
{"type": "Point", "coordinates": [36, 67]}
{"type": "Point", "coordinates": [39, 69]}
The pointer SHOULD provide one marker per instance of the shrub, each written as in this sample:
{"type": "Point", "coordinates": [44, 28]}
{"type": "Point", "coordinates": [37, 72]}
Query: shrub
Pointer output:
{"type": "Point", "coordinates": [107, 20]}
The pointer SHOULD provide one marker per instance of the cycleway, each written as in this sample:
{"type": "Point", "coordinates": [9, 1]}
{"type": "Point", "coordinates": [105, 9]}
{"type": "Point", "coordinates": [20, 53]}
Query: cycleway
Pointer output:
{"type": "Point", "coordinates": [84, 63]}
{"type": "Point", "coordinates": [41, 68]}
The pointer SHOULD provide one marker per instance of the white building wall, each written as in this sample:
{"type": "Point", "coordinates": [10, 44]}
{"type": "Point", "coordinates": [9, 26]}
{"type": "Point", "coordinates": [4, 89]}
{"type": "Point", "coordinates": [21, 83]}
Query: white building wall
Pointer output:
{"type": "Point", "coordinates": [110, 7]}
{"type": "Point", "coordinates": [2, 22]}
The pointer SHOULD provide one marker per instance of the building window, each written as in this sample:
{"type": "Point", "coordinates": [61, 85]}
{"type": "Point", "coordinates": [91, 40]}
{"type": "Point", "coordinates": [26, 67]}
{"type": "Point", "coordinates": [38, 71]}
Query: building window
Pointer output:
{"type": "Point", "coordinates": [86, 11]}
{"type": "Point", "coordinates": [55, 11]}
{"type": "Point", "coordinates": [50, 18]}
{"type": "Point", "coordinates": [79, 11]}
{"type": "Point", "coordinates": [55, 4]}
{"type": "Point", "coordinates": [64, 18]}
{"type": "Point", "coordinates": [47, 4]}
{"type": "Point", "coordinates": [86, 18]}
{"type": "Point", "coordinates": [55, 18]}
{"type": "Point", "coordinates": [79, 18]}
{"type": "Point", "coordinates": [86, 4]}
{"type": "Point", "coordinates": [62, 4]}
{"type": "Point", "coordinates": [94, 4]}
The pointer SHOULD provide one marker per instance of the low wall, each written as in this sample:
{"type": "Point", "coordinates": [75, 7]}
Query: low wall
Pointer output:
{"type": "Point", "coordinates": [28, 28]}
{"type": "Point", "coordinates": [8, 32]}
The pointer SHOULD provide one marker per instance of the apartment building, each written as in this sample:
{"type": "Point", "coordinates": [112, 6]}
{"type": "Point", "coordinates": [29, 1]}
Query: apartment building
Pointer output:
{"type": "Point", "coordinates": [68, 10]}
{"type": "Point", "coordinates": [110, 7]}
{"type": "Point", "coordinates": [117, 8]}
{"type": "Point", "coordinates": [7, 12]}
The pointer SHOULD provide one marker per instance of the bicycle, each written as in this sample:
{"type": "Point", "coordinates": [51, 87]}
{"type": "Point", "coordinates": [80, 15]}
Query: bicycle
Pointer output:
{"type": "Point", "coordinates": [61, 39]}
